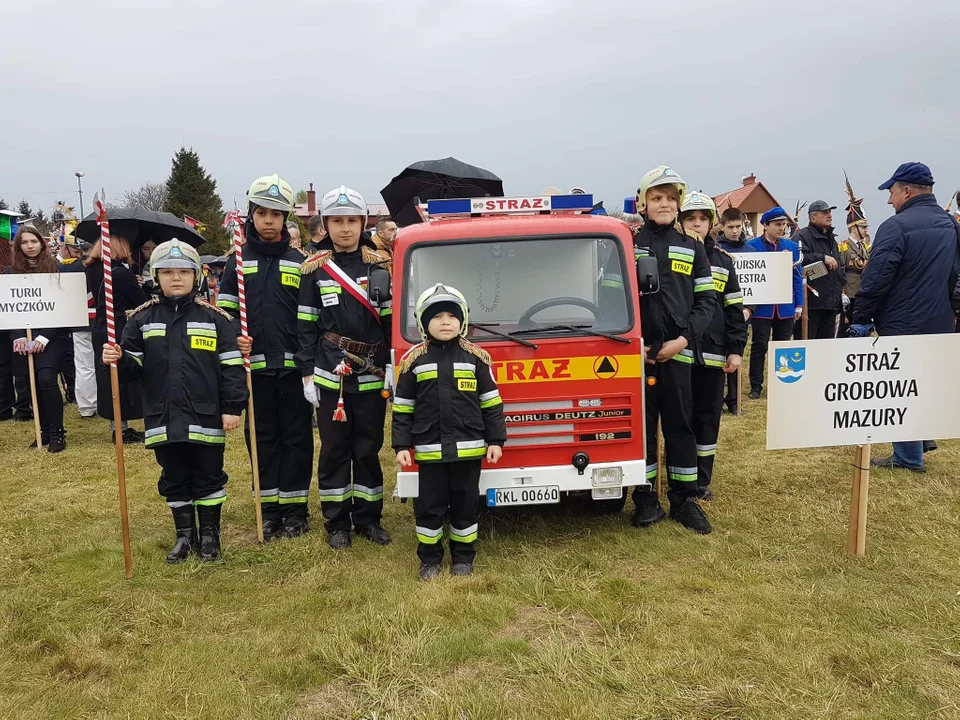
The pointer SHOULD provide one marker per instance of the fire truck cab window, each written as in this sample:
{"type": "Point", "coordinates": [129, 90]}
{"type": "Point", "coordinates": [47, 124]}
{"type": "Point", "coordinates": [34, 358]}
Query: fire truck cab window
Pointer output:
{"type": "Point", "coordinates": [503, 280]}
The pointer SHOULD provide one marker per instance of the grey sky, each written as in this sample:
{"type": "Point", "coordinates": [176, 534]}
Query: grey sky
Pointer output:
{"type": "Point", "coordinates": [541, 92]}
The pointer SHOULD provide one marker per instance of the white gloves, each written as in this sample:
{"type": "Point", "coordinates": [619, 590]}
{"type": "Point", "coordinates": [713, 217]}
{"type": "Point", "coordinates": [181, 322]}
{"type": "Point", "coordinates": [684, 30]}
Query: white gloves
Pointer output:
{"type": "Point", "coordinates": [389, 381]}
{"type": "Point", "coordinates": [310, 391]}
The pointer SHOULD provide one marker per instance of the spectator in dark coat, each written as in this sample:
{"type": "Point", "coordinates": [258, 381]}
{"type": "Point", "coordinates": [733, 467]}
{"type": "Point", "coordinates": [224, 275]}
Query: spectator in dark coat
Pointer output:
{"type": "Point", "coordinates": [907, 286]}
{"type": "Point", "coordinates": [819, 244]}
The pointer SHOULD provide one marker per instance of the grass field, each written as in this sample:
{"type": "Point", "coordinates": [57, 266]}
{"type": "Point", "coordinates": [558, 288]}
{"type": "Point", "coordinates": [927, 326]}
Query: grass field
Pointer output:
{"type": "Point", "coordinates": [571, 615]}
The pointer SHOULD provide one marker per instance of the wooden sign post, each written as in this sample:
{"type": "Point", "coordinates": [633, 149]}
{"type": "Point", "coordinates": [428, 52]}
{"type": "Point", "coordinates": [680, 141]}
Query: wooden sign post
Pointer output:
{"type": "Point", "coordinates": [860, 392]}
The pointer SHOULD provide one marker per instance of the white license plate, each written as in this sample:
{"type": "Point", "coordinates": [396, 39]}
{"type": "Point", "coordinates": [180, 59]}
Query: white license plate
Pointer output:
{"type": "Point", "coordinates": [530, 495]}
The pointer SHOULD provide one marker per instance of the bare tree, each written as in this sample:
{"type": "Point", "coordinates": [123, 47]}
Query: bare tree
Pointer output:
{"type": "Point", "coordinates": [149, 196]}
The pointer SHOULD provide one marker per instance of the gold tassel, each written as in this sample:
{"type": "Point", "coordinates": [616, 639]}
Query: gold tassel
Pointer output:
{"type": "Point", "coordinates": [411, 356]}
{"type": "Point", "coordinates": [316, 262]}
{"type": "Point", "coordinates": [476, 350]}
{"type": "Point", "coordinates": [203, 303]}
{"type": "Point", "coordinates": [152, 301]}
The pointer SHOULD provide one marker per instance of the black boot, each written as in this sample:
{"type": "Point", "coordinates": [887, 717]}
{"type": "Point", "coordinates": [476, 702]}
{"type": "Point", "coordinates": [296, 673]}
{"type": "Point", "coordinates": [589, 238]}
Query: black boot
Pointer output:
{"type": "Point", "coordinates": [208, 517]}
{"type": "Point", "coordinates": [272, 525]}
{"type": "Point", "coordinates": [649, 510]}
{"type": "Point", "coordinates": [44, 438]}
{"type": "Point", "coordinates": [58, 441]}
{"type": "Point", "coordinates": [691, 516]}
{"type": "Point", "coordinates": [375, 534]}
{"type": "Point", "coordinates": [183, 521]}
{"type": "Point", "coordinates": [295, 523]}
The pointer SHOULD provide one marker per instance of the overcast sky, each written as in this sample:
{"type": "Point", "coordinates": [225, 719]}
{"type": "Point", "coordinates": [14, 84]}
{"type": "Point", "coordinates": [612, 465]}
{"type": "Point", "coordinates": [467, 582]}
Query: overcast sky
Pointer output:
{"type": "Point", "coordinates": [541, 92]}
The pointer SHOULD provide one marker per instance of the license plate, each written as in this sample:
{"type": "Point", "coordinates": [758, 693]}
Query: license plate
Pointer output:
{"type": "Point", "coordinates": [531, 495]}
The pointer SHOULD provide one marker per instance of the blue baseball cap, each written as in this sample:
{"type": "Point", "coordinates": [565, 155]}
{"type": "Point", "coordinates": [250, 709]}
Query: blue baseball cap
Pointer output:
{"type": "Point", "coordinates": [773, 214]}
{"type": "Point", "coordinates": [914, 173]}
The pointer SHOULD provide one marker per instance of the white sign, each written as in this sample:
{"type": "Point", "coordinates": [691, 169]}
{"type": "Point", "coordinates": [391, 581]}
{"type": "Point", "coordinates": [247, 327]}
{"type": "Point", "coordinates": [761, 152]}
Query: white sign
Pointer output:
{"type": "Point", "coordinates": [43, 300]}
{"type": "Point", "coordinates": [766, 278]}
{"type": "Point", "coordinates": [853, 391]}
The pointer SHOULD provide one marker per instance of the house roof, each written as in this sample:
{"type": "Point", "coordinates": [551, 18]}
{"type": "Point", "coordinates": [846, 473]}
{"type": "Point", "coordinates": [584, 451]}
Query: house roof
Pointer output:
{"type": "Point", "coordinates": [753, 197]}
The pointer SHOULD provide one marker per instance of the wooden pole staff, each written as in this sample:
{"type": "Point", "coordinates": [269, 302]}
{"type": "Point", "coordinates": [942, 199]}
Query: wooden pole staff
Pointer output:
{"type": "Point", "coordinates": [805, 322]}
{"type": "Point", "coordinates": [859, 495]}
{"type": "Point", "coordinates": [33, 391]}
{"type": "Point", "coordinates": [115, 383]}
{"type": "Point", "coordinates": [251, 415]}
{"type": "Point", "coordinates": [740, 391]}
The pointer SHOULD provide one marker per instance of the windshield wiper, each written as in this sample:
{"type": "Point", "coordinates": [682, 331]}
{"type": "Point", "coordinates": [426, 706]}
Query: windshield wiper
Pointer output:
{"type": "Point", "coordinates": [489, 327]}
{"type": "Point", "coordinates": [573, 328]}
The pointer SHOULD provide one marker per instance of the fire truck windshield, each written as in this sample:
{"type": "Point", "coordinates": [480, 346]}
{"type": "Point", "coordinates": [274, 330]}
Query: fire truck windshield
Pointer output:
{"type": "Point", "coordinates": [526, 283]}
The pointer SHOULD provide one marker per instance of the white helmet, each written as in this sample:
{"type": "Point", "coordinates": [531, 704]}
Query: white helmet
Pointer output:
{"type": "Point", "coordinates": [661, 175]}
{"type": "Point", "coordinates": [438, 294]}
{"type": "Point", "coordinates": [175, 254]}
{"type": "Point", "coordinates": [343, 201]}
{"type": "Point", "coordinates": [699, 201]}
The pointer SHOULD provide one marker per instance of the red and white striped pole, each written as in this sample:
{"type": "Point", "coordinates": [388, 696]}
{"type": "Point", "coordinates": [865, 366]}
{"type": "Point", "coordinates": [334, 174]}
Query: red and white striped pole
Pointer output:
{"type": "Point", "coordinates": [114, 380]}
{"type": "Point", "coordinates": [251, 416]}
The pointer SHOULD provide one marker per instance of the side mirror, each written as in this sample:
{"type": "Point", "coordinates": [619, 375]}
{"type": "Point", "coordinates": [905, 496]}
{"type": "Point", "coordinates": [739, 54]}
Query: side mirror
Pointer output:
{"type": "Point", "coordinates": [378, 284]}
{"type": "Point", "coordinates": [648, 275]}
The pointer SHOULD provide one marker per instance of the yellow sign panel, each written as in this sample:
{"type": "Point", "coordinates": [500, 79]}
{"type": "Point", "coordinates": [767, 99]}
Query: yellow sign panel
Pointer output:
{"type": "Point", "coordinates": [591, 367]}
{"type": "Point", "coordinates": [290, 279]}
{"type": "Point", "coordinates": [681, 267]}
{"type": "Point", "coordinates": [203, 343]}
{"type": "Point", "coordinates": [467, 385]}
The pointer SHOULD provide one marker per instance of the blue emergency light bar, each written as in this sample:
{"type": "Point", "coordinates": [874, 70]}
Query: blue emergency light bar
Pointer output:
{"type": "Point", "coordinates": [630, 205]}
{"type": "Point", "coordinates": [510, 205]}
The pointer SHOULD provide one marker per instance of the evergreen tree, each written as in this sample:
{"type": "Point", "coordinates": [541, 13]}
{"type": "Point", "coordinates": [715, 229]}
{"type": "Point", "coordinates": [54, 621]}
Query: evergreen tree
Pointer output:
{"type": "Point", "coordinates": [24, 209]}
{"type": "Point", "coordinates": [3, 204]}
{"type": "Point", "coordinates": [192, 191]}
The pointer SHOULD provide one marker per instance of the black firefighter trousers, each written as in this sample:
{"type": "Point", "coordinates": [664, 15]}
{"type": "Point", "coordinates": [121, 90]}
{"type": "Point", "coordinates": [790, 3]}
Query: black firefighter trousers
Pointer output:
{"type": "Point", "coordinates": [192, 474]}
{"type": "Point", "coordinates": [284, 443]}
{"type": "Point", "coordinates": [453, 487]}
{"type": "Point", "coordinates": [354, 444]}
{"type": "Point", "coordinates": [670, 400]}
{"type": "Point", "coordinates": [708, 384]}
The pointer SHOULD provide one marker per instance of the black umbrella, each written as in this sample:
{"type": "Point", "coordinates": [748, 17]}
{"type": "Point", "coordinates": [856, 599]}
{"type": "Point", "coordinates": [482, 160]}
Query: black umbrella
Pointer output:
{"type": "Point", "coordinates": [139, 226]}
{"type": "Point", "coordinates": [212, 260]}
{"type": "Point", "coordinates": [432, 179]}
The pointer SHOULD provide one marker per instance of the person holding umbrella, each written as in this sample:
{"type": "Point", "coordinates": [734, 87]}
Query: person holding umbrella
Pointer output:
{"type": "Point", "coordinates": [284, 432]}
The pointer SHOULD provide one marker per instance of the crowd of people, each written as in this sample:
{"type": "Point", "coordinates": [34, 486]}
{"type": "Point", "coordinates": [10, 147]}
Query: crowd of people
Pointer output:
{"type": "Point", "coordinates": [318, 351]}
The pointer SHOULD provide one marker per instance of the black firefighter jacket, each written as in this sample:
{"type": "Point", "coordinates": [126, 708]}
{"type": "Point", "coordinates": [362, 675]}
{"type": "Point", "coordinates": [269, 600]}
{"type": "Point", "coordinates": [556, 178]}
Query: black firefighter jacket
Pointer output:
{"type": "Point", "coordinates": [824, 292]}
{"type": "Point", "coordinates": [325, 306]}
{"type": "Point", "coordinates": [184, 352]}
{"type": "Point", "coordinates": [684, 305]}
{"type": "Point", "coordinates": [271, 278]}
{"type": "Point", "coordinates": [727, 333]}
{"type": "Point", "coordinates": [447, 406]}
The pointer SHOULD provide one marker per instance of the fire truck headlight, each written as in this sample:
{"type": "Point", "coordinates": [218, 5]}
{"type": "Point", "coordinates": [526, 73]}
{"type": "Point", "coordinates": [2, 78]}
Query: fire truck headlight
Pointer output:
{"type": "Point", "coordinates": [605, 477]}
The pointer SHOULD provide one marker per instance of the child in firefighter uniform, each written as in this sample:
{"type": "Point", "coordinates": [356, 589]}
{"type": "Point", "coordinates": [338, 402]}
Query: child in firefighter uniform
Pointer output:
{"type": "Point", "coordinates": [344, 343]}
{"type": "Point", "coordinates": [674, 319]}
{"type": "Point", "coordinates": [720, 348]}
{"type": "Point", "coordinates": [184, 352]}
{"type": "Point", "coordinates": [448, 409]}
{"type": "Point", "coordinates": [271, 274]}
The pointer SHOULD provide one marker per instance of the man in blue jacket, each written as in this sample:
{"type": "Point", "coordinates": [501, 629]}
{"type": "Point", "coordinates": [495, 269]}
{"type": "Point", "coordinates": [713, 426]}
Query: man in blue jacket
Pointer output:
{"type": "Point", "coordinates": [776, 318]}
{"type": "Point", "coordinates": [906, 287]}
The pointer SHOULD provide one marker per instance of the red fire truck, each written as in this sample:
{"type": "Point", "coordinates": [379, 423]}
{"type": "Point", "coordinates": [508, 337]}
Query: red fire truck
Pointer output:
{"type": "Point", "coordinates": [553, 297]}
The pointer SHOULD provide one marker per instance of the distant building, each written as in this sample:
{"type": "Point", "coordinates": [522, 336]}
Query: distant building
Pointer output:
{"type": "Point", "coordinates": [753, 200]}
